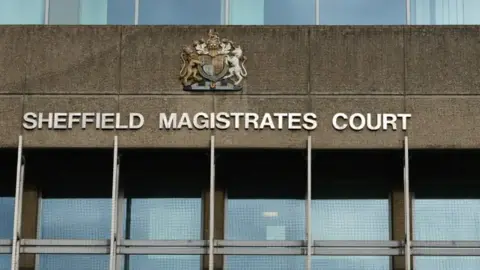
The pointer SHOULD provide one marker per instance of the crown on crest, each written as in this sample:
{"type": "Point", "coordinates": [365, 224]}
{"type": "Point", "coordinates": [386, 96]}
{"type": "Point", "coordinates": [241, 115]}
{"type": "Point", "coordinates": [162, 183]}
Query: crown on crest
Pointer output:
{"type": "Point", "coordinates": [213, 41]}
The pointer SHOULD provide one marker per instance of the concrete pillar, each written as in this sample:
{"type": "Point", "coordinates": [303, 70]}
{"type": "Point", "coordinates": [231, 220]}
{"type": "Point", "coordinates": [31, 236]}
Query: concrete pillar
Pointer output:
{"type": "Point", "coordinates": [219, 220]}
{"type": "Point", "coordinates": [29, 223]}
{"type": "Point", "coordinates": [398, 224]}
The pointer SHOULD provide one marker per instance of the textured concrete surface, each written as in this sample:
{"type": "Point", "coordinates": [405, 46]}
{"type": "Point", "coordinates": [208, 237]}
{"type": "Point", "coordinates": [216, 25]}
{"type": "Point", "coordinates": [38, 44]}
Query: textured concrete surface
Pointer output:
{"type": "Point", "coordinates": [429, 71]}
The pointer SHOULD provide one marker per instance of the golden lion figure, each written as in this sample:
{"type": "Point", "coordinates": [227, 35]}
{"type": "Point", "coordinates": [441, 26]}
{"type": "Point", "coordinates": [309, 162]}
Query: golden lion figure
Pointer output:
{"type": "Point", "coordinates": [189, 71]}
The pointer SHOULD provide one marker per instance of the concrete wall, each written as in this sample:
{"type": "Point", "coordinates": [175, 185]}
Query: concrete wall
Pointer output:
{"type": "Point", "coordinates": [432, 72]}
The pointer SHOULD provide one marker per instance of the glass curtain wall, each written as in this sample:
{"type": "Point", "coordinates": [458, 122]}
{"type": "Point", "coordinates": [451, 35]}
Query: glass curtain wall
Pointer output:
{"type": "Point", "coordinates": [7, 200]}
{"type": "Point", "coordinates": [445, 12]}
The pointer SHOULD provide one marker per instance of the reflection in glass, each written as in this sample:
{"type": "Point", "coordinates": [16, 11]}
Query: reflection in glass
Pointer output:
{"type": "Point", "coordinates": [265, 219]}
{"type": "Point", "coordinates": [362, 12]}
{"type": "Point", "coordinates": [446, 263]}
{"type": "Point", "coordinates": [254, 262]}
{"type": "Point", "coordinates": [431, 12]}
{"type": "Point", "coordinates": [350, 219]}
{"type": "Point", "coordinates": [7, 208]}
{"type": "Point", "coordinates": [172, 12]}
{"type": "Point", "coordinates": [446, 219]}
{"type": "Point", "coordinates": [92, 12]}
{"type": "Point", "coordinates": [75, 218]}
{"type": "Point", "coordinates": [5, 261]}
{"type": "Point", "coordinates": [73, 262]}
{"type": "Point", "coordinates": [22, 11]}
{"type": "Point", "coordinates": [272, 12]}
{"type": "Point", "coordinates": [166, 219]}
{"type": "Point", "coordinates": [171, 262]}
{"type": "Point", "coordinates": [350, 263]}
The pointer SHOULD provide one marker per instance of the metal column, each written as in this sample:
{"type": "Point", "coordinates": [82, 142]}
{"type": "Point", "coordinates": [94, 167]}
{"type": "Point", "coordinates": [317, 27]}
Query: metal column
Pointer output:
{"type": "Point", "coordinates": [114, 228]}
{"type": "Point", "coordinates": [211, 226]}
{"type": "Point", "coordinates": [309, 203]}
{"type": "Point", "coordinates": [17, 220]}
{"type": "Point", "coordinates": [406, 193]}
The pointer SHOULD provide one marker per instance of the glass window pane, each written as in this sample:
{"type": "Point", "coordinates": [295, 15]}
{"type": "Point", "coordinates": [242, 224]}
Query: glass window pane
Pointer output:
{"type": "Point", "coordinates": [446, 263]}
{"type": "Point", "coordinates": [425, 12]}
{"type": "Point", "coordinates": [362, 12]}
{"type": "Point", "coordinates": [73, 262]}
{"type": "Point", "coordinates": [254, 262]}
{"type": "Point", "coordinates": [351, 263]}
{"type": "Point", "coordinates": [5, 261]}
{"type": "Point", "coordinates": [446, 219]}
{"type": "Point", "coordinates": [22, 11]}
{"type": "Point", "coordinates": [170, 262]}
{"type": "Point", "coordinates": [164, 204]}
{"type": "Point", "coordinates": [363, 219]}
{"type": "Point", "coordinates": [172, 12]}
{"type": "Point", "coordinates": [7, 208]}
{"type": "Point", "coordinates": [272, 12]}
{"type": "Point", "coordinates": [75, 218]}
{"type": "Point", "coordinates": [91, 12]}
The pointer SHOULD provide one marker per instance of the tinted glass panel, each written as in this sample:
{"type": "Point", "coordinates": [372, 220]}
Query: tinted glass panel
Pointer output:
{"type": "Point", "coordinates": [164, 203]}
{"type": "Point", "coordinates": [93, 12]}
{"type": "Point", "coordinates": [362, 12]}
{"type": "Point", "coordinates": [5, 261]}
{"type": "Point", "coordinates": [446, 263]}
{"type": "Point", "coordinates": [264, 202]}
{"type": "Point", "coordinates": [73, 262]}
{"type": "Point", "coordinates": [7, 208]}
{"type": "Point", "coordinates": [76, 201]}
{"type": "Point", "coordinates": [267, 12]}
{"type": "Point", "coordinates": [205, 12]}
{"type": "Point", "coordinates": [22, 11]}
{"type": "Point", "coordinates": [445, 11]}
{"type": "Point", "coordinates": [350, 263]}
{"type": "Point", "coordinates": [446, 219]}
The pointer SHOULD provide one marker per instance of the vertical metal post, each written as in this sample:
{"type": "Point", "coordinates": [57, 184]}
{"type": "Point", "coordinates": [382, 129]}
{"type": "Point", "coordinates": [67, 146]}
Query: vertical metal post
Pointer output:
{"type": "Point", "coordinates": [136, 14]}
{"type": "Point", "coordinates": [226, 12]}
{"type": "Point", "coordinates": [17, 219]}
{"type": "Point", "coordinates": [309, 203]}
{"type": "Point", "coordinates": [114, 229]}
{"type": "Point", "coordinates": [317, 12]}
{"type": "Point", "coordinates": [212, 203]}
{"type": "Point", "coordinates": [46, 12]}
{"type": "Point", "coordinates": [120, 218]}
{"type": "Point", "coordinates": [406, 192]}
{"type": "Point", "coordinates": [408, 11]}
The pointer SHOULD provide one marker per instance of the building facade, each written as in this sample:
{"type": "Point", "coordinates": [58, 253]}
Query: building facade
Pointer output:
{"type": "Point", "coordinates": [352, 192]}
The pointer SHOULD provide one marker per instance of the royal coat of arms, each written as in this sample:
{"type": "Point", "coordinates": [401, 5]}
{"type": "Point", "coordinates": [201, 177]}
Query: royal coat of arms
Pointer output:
{"type": "Point", "coordinates": [214, 64]}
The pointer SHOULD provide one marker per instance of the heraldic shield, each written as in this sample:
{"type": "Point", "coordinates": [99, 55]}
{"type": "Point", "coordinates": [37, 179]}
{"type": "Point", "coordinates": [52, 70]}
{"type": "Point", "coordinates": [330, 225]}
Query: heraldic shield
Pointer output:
{"type": "Point", "coordinates": [214, 64]}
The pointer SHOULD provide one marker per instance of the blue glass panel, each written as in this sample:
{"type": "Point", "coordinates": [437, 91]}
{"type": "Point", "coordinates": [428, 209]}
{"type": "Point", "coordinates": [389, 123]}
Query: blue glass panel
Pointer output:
{"type": "Point", "coordinates": [166, 219]}
{"type": "Point", "coordinates": [170, 262]}
{"type": "Point", "coordinates": [73, 262]}
{"type": "Point", "coordinates": [7, 209]}
{"type": "Point", "coordinates": [171, 12]}
{"type": "Point", "coordinates": [265, 219]}
{"type": "Point", "coordinates": [75, 218]}
{"type": "Point", "coordinates": [5, 261]}
{"type": "Point", "coordinates": [272, 12]}
{"type": "Point", "coordinates": [254, 262]}
{"type": "Point", "coordinates": [350, 219]}
{"type": "Point", "coordinates": [433, 12]}
{"type": "Point", "coordinates": [22, 11]}
{"type": "Point", "coordinates": [446, 263]}
{"type": "Point", "coordinates": [351, 263]}
{"type": "Point", "coordinates": [92, 12]}
{"type": "Point", "coordinates": [362, 12]}
{"type": "Point", "coordinates": [446, 219]}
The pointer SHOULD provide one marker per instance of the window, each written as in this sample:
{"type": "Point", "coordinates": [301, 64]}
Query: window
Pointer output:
{"type": "Point", "coordinates": [92, 12]}
{"type": "Point", "coordinates": [8, 164]}
{"type": "Point", "coordinates": [164, 203]}
{"type": "Point", "coordinates": [75, 203]}
{"type": "Point", "coordinates": [362, 12]}
{"type": "Point", "coordinates": [265, 201]}
{"type": "Point", "coordinates": [22, 11]}
{"type": "Point", "coordinates": [445, 12]}
{"type": "Point", "coordinates": [277, 12]}
{"type": "Point", "coordinates": [172, 12]}
{"type": "Point", "coordinates": [350, 201]}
